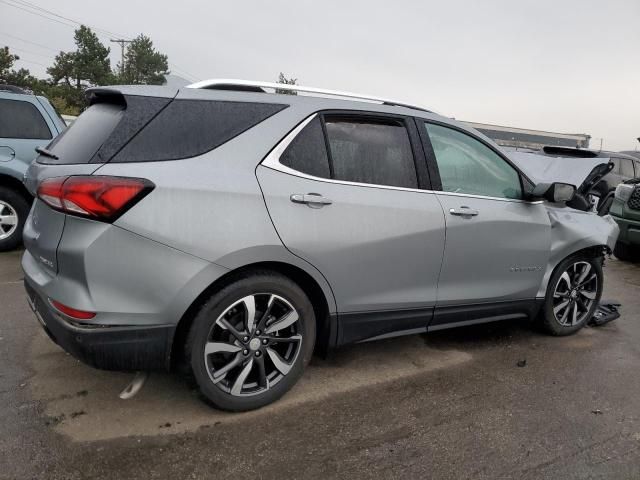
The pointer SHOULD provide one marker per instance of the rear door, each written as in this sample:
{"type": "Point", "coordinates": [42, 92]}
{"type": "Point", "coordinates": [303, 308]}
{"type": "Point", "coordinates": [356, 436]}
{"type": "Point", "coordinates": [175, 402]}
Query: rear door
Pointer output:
{"type": "Point", "coordinates": [349, 194]}
{"type": "Point", "coordinates": [497, 244]}
{"type": "Point", "coordinates": [23, 127]}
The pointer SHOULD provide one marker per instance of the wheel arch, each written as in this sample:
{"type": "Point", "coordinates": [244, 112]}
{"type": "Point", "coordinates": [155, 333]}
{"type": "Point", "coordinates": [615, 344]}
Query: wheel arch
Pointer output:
{"type": "Point", "coordinates": [323, 305]}
{"type": "Point", "coordinates": [13, 183]}
{"type": "Point", "coordinates": [593, 251]}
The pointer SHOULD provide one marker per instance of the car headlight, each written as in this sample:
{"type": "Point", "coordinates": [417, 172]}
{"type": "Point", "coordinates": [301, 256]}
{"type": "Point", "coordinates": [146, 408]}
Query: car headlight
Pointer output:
{"type": "Point", "coordinates": [624, 191]}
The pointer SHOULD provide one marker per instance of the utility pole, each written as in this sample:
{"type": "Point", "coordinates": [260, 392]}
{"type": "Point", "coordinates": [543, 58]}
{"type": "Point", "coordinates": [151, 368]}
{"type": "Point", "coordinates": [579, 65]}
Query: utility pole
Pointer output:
{"type": "Point", "coordinates": [122, 43]}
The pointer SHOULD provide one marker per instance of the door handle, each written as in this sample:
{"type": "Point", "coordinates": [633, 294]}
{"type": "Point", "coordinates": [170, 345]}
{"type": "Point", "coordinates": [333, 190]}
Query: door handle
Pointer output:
{"type": "Point", "coordinates": [313, 200]}
{"type": "Point", "coordinates": [464, 212]}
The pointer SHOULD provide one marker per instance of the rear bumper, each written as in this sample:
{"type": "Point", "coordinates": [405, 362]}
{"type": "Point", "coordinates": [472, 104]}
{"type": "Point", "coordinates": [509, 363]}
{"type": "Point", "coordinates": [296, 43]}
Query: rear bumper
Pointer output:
{"type": "Point", "coordinates": [105, 347]}
{"type": "Point", "coordinates": [629, 230]}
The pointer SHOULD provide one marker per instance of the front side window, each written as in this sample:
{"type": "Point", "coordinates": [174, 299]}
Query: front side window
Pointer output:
{"type": "Point", "coordinates": [626, 168]}
{"type": "Point", "coordinates": [20, 119]}
{"type": "Point", "coordinates": [468, 166]}
{"type": "Point", "coordinates": [373, 151]}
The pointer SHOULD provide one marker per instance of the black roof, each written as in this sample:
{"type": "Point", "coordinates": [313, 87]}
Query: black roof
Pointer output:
{"type": "Point", "coordinates": [12, 89]}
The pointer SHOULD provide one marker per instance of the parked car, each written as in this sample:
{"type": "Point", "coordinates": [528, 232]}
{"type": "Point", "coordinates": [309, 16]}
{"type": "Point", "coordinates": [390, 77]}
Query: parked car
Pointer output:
{"type": "Point", "coordinates": [625, 210]}
{"type": "Point", "coordinates": [236, 231]}
{"type": "Point", "coordinates": [26, 122]}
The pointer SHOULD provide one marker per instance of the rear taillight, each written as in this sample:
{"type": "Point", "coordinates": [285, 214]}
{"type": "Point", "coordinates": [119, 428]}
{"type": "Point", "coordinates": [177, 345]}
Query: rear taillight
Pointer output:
{"type": "Point", "coordinates": [96, 197]}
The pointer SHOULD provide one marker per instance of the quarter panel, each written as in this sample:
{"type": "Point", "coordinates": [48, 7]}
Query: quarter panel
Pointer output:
{"type": "Point", "coordinates": [126, 278]}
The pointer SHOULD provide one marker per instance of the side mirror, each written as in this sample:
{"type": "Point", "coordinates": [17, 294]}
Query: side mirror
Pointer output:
{"type": "Point", "coordinates": [556, 192]}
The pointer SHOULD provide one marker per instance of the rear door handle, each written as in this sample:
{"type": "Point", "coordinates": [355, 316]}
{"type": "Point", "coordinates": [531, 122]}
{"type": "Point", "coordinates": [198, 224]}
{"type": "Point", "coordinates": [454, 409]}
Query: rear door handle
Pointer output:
{"type": "Point", "coordinates": [314, 200]}
{"type": "Point", "coordinates": [464, 212]}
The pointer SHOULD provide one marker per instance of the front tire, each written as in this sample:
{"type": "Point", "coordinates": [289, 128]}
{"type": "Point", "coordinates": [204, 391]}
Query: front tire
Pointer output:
{"type": "Point", "coordinates": [251, 341]}
{"type": "Point", "coordinates": [14, 209]}
{"type": "Point", "coordinates": [573, 294]}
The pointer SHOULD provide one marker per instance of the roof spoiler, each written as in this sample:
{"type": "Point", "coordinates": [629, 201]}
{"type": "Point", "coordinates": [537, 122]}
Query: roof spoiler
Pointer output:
{"type": "Point", "coordinates": [117, 93]}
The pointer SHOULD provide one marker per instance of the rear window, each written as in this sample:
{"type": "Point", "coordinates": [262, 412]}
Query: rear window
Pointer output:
{"type": "Point", "coordinates": [307, 152]}
{"type": "Point", "coordinates": [80, 142]}
{"type": "Point", "coordinates": [150, 129]}
{"type": "Point", "coordinates": [187, 128]}
{"type": "Point", "coordinates": [23, 120]}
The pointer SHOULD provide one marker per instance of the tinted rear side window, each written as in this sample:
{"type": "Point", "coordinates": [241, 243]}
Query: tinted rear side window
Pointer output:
{"type": "Point", "coordinates": [307, 152]}
{"type": "Point", "coordinates": [187, 128]}
{"type": "Point", "coordinates": [22, 120]}
{"type": "Point", "coordinates": [371, 151]}
{"type": "Point", "coordinates": [80, 142]}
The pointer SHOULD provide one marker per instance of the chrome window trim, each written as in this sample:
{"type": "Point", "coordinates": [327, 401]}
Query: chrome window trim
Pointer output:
{"type": "Point", "coordinates": [272, 161]}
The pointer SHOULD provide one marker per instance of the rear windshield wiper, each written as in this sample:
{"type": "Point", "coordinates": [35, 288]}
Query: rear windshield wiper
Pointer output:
{"type": "Point", "coordinates": [47, 153]}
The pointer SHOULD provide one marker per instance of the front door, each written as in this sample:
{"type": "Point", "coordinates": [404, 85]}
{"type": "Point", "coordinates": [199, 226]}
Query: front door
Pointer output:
{"type": "Point", "coordinates": [359, 213]}
{"type": "Point", "coordinates": [497, 244]}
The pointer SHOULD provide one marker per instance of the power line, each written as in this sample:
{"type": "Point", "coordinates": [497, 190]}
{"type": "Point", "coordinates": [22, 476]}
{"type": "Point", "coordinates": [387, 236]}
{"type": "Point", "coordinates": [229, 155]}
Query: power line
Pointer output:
{"type": "Point", "coordinates": [30, 52]}
{"type": "Point", "coordinates": [29, 7]}
{"type": "Point", "coordinates": [29, 41]}
{"type": "Point", "coordinates": [44, 13]}
{"type": "Point", "coordinates": [31, 61]}
{"type": "Point", "coordinates": [36, 13]}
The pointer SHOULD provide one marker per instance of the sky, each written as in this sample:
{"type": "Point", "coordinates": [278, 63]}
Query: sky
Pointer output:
{"type": "Point", "coordinates": [565, 66]}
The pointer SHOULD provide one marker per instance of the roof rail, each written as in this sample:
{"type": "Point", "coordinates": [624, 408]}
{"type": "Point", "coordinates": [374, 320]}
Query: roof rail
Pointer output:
{"type": "Point", "coordinates": [256, 86]}
{"type": "Point", "coordinates": [12, 88]}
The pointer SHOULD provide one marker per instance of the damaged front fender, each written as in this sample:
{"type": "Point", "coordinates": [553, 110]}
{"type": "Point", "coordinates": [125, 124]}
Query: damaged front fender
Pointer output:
{"type": "Point", "coordinates": [572, 231]}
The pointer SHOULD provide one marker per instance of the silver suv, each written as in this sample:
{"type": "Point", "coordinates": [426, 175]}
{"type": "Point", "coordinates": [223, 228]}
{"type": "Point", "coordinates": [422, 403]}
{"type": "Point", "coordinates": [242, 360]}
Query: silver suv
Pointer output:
{"type": "Point", "coordinates": [235, 231]}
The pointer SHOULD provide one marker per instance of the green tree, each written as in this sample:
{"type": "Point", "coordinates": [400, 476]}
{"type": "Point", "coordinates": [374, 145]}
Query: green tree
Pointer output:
{"type": "Point", "coordinates": [143, 64]}
{"type": "Point", "coordinates": [87, 66]}
{"type": "Point", "coordinates": [7, 59]}
{"type": "Point", "coordinates": [8, 75]}
{"type": "Point", "coordinates": [282, 78]}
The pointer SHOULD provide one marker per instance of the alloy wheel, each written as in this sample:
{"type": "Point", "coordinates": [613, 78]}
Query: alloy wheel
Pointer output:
{"type": "Point", "coordinates": [575, 293]}
{"type": "Point", "coordinates": [8, 220]}
{"type": "Point", "coordinates": [253, 344]}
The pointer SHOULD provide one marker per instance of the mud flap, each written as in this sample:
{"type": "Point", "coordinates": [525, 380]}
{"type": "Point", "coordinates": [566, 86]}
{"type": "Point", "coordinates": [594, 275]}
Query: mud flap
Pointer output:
{"type": "Point", "coordinates": [606, 312]}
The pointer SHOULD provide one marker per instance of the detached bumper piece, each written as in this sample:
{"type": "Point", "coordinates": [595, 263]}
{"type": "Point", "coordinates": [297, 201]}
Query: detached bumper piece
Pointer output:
{"type": "Point", "coordinates": [606, 312]}
{"type": "Point", "coordinates": [123, 348]}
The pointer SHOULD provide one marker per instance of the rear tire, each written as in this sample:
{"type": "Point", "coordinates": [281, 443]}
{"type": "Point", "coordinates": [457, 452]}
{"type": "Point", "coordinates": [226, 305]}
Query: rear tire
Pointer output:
{"type": "Point", "coordinates": [14, 209]}
{"type": "Point", "coordinates": [573, 294]}
{"type": "Point", "coordinates": [242, 358]}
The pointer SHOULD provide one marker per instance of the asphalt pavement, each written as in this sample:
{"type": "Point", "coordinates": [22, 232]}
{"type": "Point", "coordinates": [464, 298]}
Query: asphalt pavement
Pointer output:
{"type": "Point", "coordinates": [493, 401]}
